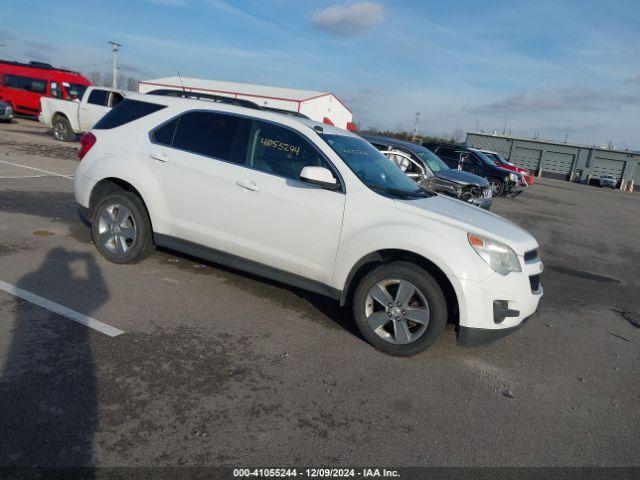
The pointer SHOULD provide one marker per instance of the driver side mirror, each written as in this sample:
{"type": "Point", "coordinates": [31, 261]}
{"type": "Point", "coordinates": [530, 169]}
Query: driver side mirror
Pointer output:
{"type": "Point", "coordinates": [320, 177]}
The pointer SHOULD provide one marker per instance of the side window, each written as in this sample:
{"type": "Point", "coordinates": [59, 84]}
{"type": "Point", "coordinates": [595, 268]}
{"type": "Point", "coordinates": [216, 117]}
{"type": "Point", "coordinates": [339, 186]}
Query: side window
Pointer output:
{"type": "Point", "coordinates": [99, 97]}
{"type": "Point", "coordinates": [447, 152]}
{"type": "Point", "coordinates": [163, 135]}
{"type": "Point", "coordinates": [207, 133]}
{"type": "Point", "coordinates": [126, 111]}
{"type": "Point", "coordinates": [277, 150]}
{"type": "Point", "coordinates": [25, 83]}
{"type": "Point", "coordinates": [116, 98]}
{"type": "Point", "coordinates": [56, 91]}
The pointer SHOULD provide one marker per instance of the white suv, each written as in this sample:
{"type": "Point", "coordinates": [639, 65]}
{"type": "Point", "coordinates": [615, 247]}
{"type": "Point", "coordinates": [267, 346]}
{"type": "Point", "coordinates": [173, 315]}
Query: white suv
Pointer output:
{"type": "Point", "coordinates": [308, 205]}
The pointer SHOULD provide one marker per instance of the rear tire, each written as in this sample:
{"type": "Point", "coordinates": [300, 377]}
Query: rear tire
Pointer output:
{"type": "Point", "coordinates": [497, 187]}
{"type": "Point", "coordinates": [62, 129]}
{"type": "Point", "coordinates": [121, 229]}
{"type": "Point", "coordinates": [400, 309]}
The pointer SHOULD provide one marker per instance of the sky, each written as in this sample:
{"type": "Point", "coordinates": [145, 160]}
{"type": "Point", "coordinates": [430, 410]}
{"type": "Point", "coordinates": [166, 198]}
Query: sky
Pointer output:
{"type": "Point", "coordinates": [563, 68]}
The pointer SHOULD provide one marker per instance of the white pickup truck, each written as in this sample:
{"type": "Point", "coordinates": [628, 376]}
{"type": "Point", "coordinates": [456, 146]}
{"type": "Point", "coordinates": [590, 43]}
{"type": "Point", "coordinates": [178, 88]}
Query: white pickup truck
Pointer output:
{"type": "Point", "coordinates": [68, 118]}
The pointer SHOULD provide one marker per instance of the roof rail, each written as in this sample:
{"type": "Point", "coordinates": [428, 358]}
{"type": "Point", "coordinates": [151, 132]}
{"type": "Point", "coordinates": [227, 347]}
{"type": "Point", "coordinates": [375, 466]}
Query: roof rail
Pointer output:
{"type": "Point", "coordinates": [169, 92]}
{"type": "Point", "coordinates": [285, 112]}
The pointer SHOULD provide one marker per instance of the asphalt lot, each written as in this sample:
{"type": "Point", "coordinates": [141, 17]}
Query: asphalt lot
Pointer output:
{"type": "Point", "coordinates": [216, 367]}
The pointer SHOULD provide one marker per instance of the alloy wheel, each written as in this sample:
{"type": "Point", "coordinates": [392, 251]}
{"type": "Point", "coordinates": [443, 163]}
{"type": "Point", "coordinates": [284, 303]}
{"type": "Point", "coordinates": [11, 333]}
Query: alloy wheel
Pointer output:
{"type": "Point", "coordinates": [60, 131]}
{"type": "Point", "coordinates": [116, 228]}
{"type": "Point", "coordinates": [397, 311]}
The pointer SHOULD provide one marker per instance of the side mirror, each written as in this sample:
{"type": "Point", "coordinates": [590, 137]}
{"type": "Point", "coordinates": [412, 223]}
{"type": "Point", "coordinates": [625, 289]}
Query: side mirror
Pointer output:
{"type": "Point", "coordinates": [320, 177]}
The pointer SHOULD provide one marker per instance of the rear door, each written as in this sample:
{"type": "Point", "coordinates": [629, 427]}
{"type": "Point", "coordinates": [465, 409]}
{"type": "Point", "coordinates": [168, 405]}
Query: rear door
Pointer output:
{"type": "Point", "coordinates": [275, 218]}
{"type": "Point", "coordinates": [189, 163]}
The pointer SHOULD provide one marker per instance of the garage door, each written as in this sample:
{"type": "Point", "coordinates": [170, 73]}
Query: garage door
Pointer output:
{"type": "Point", "coordinates": [526, 158]}
{"type": "Point", "coordinates": [557, 164]}
{"type": "Point", "coordinates": [606, 166]}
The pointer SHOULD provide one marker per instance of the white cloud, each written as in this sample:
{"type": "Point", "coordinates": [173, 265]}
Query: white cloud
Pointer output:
{"type": "Point", "coordinates": [348, 19]}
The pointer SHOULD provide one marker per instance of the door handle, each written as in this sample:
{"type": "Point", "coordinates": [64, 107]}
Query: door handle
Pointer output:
{"type": "Point", "coordinates": [160, 157]}
{"type": "Point", "coordinates": [248, 184]}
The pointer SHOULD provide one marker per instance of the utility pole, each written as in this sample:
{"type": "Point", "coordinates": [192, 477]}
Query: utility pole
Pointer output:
{"type": "Point", "coordinates": [504, 130]}
{"type": "Point", "coordinates": [114, 71]}
{"type": "Point", "coordinates": [415, 126]}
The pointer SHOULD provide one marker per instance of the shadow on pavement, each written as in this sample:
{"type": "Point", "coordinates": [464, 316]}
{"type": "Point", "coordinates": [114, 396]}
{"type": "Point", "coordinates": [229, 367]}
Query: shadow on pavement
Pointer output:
{"type": "Point", "coordinates": [48, 390]}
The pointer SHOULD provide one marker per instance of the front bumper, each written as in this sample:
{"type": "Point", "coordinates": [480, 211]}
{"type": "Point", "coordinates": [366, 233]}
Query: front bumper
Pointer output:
{"type": "Point", "coordinates": [482, 202]}
{"type": "Point", "coordinates": [477, 337]}
{"type": "Point", "coordinates": [499, 304]}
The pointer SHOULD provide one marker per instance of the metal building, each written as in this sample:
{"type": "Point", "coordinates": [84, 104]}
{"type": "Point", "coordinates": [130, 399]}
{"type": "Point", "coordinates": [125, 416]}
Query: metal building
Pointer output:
{"type": "Point", "coordinates": [565, 161]}
{"type": "Point", "coordinates": [319, 106]}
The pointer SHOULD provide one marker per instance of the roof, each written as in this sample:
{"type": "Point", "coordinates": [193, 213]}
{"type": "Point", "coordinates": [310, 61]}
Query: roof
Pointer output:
{"type": "Point", "coordinates": [38, 65]}
{"type": "Point", "coordinates": [279, 93]}
{"type": "Point", "coordinates": [414, 147]}
{"type": "Point", "coordinates": [283, 118]}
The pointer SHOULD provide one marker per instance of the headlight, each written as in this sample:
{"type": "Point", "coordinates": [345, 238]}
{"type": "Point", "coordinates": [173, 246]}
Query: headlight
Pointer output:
{"type": "Point", "coordinates": [513, 177]}
{"type": "Point", "coordinates": [497, 255]}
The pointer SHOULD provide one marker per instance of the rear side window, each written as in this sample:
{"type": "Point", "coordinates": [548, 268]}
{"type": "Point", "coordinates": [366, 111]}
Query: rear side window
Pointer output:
{"type": "Point", "coordinates": [163, 135]}
{"type": "Point", "coordinates": [99, 97]}
{"type": "Point", "coordinates": [207, 133]}
{"type": "Point", "coordinates": [125, 112]}
{"type": "Point", "coordinates": [30, 84]}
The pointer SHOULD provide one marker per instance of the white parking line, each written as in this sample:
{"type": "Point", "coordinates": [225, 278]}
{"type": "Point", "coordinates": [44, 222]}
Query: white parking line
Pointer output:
{"type": "Point", "coordinates": [61, 310]}
{"type": "Point", "coordinates": [69, 177]}
{"type": "Point", "coordinates": [26, 176]}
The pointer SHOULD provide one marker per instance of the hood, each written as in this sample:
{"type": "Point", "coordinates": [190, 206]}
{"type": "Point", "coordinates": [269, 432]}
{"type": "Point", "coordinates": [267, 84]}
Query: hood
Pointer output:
{"type": "Point", "coordinates": [470, 219]}
{"type": "Point", "coordinates": [462, 177]}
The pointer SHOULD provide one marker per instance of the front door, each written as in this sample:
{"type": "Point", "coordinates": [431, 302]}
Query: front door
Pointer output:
{"type": "Point", "coordinates": [275, 218]}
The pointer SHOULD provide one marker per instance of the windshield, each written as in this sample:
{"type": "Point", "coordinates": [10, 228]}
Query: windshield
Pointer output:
{"type": "Point", "coordinates": [374, 169]}
{"type": "Point", "coordinates": [485, 158]}
{"type": "Point", "coordinates": [432, 160]}
{"type": "Point", "coordinates": [496, 157]}
{"type": "Point", "coordinates": [74, 89]}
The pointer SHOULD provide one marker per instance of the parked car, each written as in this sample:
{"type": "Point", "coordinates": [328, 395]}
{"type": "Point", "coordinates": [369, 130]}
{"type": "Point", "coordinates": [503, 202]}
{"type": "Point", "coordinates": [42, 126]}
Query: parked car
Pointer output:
{"type": "Point", "coordinates": [23, 84]}
{"type": "Point", "coordinates": [6, 112]}
{"type": "Point", "coordinates": [305, 204]}
{"type": "Point", "coordinates": [68, 118]}
{"type": "Point", "coordinates": [425, 168]}
{"type": "Point", "coordinates": [608, 181]}
{"type": "Point", "coordinates": [500, 161]}
{"type": "Point", "coordinates": [503, 182]}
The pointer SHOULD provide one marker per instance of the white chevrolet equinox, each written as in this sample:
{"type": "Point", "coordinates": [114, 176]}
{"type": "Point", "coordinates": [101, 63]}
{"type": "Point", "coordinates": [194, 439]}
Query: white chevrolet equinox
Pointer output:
{"type": "Point", "coordinates": [308, 205]}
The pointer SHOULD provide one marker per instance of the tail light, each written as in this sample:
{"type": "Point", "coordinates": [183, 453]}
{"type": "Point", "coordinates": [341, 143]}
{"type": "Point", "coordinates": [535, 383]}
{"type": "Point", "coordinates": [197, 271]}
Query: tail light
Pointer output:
{"type": "Point", "coordinates": [87, 141]}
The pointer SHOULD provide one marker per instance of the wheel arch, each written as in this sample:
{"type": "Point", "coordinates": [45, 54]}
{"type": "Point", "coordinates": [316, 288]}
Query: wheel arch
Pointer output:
{"type": "Point", "coordinates": [57, 114]}
{"type": "Point", "coordinates": [380, 257]}
{"type": "Point", "coordinates": [113, 184]}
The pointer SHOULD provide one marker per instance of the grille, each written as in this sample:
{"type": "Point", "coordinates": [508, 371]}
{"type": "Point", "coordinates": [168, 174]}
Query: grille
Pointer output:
{"type": "Point", "coordinates": [535, 283]}
{"type": "Point", "coordinates": [531, 256]}
{"type": "Point", "coordinates": [486, 193]}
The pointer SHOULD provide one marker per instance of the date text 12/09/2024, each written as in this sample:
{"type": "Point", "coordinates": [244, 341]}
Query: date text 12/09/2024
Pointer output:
{"type": "Point", "coordinates": [315, 473]}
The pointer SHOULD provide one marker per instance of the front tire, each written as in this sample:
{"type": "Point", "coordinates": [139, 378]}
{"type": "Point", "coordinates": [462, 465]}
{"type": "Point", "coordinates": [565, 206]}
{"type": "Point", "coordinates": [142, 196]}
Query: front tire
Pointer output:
{"type": "Point", "coordinates": [400, 309]}
{"type": "Point", "coordinates": [121, 228]}
{"type": "Point", "coordinates": [497, 187]}
{"type": "Point", "coordinates": [62, 129]}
